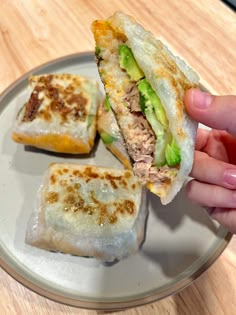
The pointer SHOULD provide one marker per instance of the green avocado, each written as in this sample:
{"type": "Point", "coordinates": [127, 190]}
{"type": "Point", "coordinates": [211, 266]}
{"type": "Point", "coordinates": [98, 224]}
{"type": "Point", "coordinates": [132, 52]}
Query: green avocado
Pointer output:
{"type": "Point", "coordinates": [107, 104]}
{"type": "Point", "coordinates": [159, 155]}
{"type": "Point", "coordinates": [166, 150]}
{"type": "Point", "coordinates": [106, 138]}
{"type": "Point", "coordinates": [172, 153]}
{"type": "Point", "coordinates": [128, 63]}
{"type": "Point", "coordinates": [150, 106]}
{"type": "Point", "coordinates": [151, 98]}
{"type": "Point", "coordinates": [97, 51]}
{"type": "Point", "coordinates": [142, 102]}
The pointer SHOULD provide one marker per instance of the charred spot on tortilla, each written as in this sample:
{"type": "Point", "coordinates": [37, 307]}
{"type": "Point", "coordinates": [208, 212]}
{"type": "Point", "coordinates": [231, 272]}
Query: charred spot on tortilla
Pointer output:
{"type": "Point", "coordinates": [145, 84]}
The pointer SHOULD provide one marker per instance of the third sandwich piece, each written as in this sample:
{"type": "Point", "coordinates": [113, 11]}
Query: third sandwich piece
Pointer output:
{"type": "Point", "coordinates": [145, 86]}
{"type": "Point", "coordinates": [110, 134]}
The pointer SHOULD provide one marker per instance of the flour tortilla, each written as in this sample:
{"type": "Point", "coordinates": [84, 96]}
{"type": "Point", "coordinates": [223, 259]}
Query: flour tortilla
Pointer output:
{"type": "Point", "coordinates": [106, 122]}
{"type": "Point", "coordinates": [87, 210]}
{"type": "Point", "coordinates": [168, 75]}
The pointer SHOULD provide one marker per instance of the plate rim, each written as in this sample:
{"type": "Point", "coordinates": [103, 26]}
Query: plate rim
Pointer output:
{"type": "Point", "coordinates": [117, 305]}
{"type": "Point", "coordinates": [98, 305]}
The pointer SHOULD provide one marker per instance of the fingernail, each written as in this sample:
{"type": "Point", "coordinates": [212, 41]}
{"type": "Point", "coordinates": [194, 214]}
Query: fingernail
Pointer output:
{"type": "Point", "coordinates": [201, 99]}
{"type": "Point", "coordinates": [230, 177]}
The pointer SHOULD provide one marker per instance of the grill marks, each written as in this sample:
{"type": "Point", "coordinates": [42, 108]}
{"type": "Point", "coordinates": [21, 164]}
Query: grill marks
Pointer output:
{"type": "Point", "coordinates": [68, 193]}
{"type": "Point", "coordinates": [65, 101]}
{"type": "Point", "coordinates": [31, 108]}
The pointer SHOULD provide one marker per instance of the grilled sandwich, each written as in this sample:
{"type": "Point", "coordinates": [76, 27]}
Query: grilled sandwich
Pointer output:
{"type": "Point", "coordinates": [145, 86]}
{"type": "Point", "coordinates": [60, 114]}
{"type": "Point", "coordinates": [89, 211]}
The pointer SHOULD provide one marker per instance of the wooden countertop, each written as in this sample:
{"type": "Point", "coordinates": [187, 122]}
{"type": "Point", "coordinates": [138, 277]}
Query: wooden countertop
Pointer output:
{"type": "Point", "coordinates": [203, 32]}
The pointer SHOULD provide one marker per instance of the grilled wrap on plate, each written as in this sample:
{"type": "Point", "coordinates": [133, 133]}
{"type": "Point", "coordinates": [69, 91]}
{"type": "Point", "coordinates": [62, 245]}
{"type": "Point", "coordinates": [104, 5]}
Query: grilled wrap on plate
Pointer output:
{"type": "Point", "coordinates": [60, 114]}
{"type": "Point", "coordinates": [110, 134]}
{"type": "Point", "coordinates": [145, 85]}
{"type": "Point", "coordinates": [90, 211]}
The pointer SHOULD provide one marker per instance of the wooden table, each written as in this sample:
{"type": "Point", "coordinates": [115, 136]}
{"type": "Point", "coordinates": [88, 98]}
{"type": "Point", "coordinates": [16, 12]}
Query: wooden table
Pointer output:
{"type": "Point", "coordinates": [203, 32]}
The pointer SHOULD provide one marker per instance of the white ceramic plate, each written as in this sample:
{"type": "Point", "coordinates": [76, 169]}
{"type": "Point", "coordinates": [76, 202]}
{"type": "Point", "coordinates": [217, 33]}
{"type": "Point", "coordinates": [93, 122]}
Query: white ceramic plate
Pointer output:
{"type": "Point", "coordinates": [181, 240]}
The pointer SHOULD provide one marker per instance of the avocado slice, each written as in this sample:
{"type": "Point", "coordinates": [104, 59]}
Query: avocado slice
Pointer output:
{"type": "Point", "coordinates": [160, 132]}
{"type": "Point", "coordinates": [128, 63]}
{"type": "Point", "coordinates": [107, 104]}
{"type": "Point", "coordinates": [142, 102]}
{"type": "Point", "coordinates": [152, 98]}
{"type": "Point", "coordinates": [106, 137]}
{"type": "Point", "coordinates": [166, 150]}
{"type": "Point", "coordinates": [160, 149]}
{"type": "Point", "coordinates": [172, 153]}
{"type": "Point", "coordinates": [162, 140]}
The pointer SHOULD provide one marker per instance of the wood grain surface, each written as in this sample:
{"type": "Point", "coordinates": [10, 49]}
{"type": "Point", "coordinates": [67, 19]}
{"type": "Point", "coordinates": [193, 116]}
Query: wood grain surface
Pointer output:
{"type": "Point", "coordinates": [203, 32]}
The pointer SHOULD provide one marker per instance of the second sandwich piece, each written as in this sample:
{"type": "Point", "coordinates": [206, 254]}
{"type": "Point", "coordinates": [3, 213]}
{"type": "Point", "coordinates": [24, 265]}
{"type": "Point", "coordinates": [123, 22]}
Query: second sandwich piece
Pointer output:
{"type": "Point", "coordinates": [60, 114]}
{"type": "Point", "coordinates": [145, 85]}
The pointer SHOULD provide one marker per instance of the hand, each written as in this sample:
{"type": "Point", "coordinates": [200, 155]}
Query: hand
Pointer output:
{"type": "Point", "coordinates": [214, 167]}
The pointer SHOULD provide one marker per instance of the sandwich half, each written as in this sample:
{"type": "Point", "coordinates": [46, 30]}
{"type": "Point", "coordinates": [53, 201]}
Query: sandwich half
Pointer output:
{"type": "Point", "coordinates": [88, 211]}
{"type": "Point", "coordinates": [145, 85]}
{"type": "Point", "coordinates": [60, 114]}
{"type": "Point", "coordinates": [110, 134]}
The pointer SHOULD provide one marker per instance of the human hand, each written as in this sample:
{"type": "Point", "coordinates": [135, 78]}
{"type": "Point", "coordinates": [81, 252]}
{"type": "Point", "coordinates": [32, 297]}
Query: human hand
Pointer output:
{"type": "Point", "coordinates": [214, 167]}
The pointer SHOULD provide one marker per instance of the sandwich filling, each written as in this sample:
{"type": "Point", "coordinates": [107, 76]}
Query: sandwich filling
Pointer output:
{"type": "Point", "coordinates": [139, 111]}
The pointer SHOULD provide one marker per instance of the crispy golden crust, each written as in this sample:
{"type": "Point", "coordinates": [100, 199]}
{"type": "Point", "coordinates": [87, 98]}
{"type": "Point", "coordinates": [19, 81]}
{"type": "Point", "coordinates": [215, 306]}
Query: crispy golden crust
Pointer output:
{"type": "Point", "coordinates": [124, 159]}
{"type": "Point", "coordinates": [56, 143]}
{"type": "Point", "coordinates": [65, 101]}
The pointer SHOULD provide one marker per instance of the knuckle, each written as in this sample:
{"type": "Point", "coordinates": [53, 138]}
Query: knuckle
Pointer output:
{"type": "Point", "coordinates": [189, 189]}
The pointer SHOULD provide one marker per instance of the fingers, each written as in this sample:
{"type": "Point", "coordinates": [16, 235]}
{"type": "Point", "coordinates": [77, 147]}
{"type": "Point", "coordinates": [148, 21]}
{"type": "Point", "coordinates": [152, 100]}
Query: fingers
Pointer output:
{"type": "Point", "coordinates": [214, 143]}
{"type": "Point", "coordinates": [208, 195]}
{"type": "Point", "coordinates": [218, 112]}
{"type": "Point", "coordinates": [201, 139]}
{"type": "Point", "coordinates": [209, 170]}
{"type": "Point", "coordinates": [226, 217]}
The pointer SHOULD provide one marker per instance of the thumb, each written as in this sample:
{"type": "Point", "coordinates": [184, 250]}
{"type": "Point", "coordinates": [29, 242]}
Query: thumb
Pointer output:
{"type": "Point", "coordinates": [218, 112]}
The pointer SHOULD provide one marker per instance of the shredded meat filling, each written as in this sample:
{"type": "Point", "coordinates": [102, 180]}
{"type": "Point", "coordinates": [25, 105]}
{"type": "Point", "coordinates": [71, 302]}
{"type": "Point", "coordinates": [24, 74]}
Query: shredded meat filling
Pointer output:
{"type": "Point", "coordinates": [142, 138]}
{"type": "Point", "coordinates": [141, 142]}
{"type": "Point", "coordinates": [132, 98]}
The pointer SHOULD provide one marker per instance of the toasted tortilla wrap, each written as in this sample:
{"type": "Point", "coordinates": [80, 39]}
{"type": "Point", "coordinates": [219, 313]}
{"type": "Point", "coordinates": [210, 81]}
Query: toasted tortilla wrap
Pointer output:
{"type": "Point", "coordinates": [60, 114]}
{"type": "Point", "coordinates": [89, 211]}
{"type": "Point", "coordinates": [110, 134]}
{"type": "Point", "coordinates": [145, 85]}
